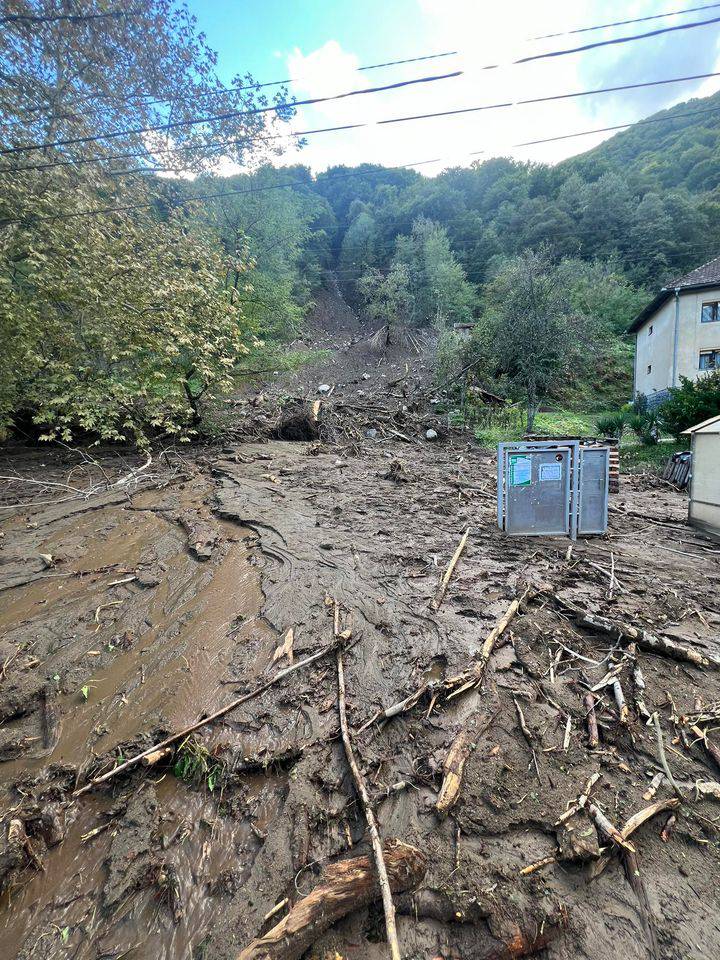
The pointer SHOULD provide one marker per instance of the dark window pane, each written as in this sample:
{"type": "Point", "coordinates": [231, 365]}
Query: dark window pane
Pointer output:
{"type": "Point", "coordinates": [709, 313]}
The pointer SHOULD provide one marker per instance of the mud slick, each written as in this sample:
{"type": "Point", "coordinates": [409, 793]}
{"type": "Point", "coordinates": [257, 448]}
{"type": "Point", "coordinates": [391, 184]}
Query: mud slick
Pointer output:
{"type": "Point", "coordinates": [131, 613]}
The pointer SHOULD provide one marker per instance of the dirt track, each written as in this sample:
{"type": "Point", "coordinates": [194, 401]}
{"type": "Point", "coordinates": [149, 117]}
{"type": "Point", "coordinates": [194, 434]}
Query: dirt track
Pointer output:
{"type": "Point", "coordinates": [168, 596]}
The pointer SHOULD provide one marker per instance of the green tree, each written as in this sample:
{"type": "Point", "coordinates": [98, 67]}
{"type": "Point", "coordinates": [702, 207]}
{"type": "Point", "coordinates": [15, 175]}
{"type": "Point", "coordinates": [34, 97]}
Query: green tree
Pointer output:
{"type": "Point", "coordinates": [386, 299]}
{"type": "Point", "coordinates": [693, 402]}
{"type": "Point", "coordinates": [440, 290]}
{"type": "Point", "coordinates": [533, 333]}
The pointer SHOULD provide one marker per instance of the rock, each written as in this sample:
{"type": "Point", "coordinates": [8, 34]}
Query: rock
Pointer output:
{"type": "Point", "coordinates": [431, 435]}
{"type": "Point", "coordinates": [366, 376]}
{"type": "Point", "coordinates": [371, 433]}
{"type": "Point", "coordinates": [324, 388]}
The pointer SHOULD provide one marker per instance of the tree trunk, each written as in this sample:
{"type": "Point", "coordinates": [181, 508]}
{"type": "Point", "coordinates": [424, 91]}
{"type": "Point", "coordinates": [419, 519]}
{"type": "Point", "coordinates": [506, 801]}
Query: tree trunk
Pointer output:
{"type": "Point", "coordinates": [345, 886]}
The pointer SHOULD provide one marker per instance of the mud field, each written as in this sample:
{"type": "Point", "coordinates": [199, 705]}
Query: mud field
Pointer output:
{"type": "Point", "coordinates": [139, 597]}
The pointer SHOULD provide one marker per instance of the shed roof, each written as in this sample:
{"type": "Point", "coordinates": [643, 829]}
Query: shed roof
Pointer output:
{"type": "Point", "coordinates": [707, 426]}
{"type": "Point", "coordinates": [707, 275]}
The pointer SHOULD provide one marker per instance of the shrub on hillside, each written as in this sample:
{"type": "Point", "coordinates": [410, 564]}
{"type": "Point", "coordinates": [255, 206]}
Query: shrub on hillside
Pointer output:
{"type": "Point", "coordinates": [692, 402]}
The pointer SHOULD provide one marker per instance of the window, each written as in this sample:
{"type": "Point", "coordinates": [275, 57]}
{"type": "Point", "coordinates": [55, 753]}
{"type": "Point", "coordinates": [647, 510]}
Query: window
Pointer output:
{"type": "Point", "coordinates": [710, 312]}
{"type": "Point", "coordinates": [709, 360]}
{"type": "Point", "coordinates": [649, 368]}
{"type": "Point", "coordinates": [650, 330]}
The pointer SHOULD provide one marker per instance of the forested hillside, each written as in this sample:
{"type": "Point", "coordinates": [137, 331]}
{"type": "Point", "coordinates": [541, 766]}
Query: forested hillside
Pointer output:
{"type": "Point", "coordinates": [227, 268]}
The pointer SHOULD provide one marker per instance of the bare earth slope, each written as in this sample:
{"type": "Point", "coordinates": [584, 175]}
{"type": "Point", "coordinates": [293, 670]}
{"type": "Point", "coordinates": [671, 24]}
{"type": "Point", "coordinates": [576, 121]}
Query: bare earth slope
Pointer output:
{"type": "Point", "coordinates": [130, 612]}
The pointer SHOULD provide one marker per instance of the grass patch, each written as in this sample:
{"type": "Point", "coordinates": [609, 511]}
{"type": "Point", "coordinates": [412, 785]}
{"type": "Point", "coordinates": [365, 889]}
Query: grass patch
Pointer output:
{"type": "Point", "coordinates": [278, 361]}
{"type": "Point", "coordinates": [554, 423]}
{"type": "Point", "coordinates": [636, 457]}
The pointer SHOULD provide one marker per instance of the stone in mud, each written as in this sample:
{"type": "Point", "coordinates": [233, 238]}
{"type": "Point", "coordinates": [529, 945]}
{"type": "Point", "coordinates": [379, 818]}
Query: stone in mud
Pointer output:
{"type": "Point", "coordinates": [371, 433]}
{"type": "Point", "coordinates": [324, 388]}
{"type": "Point", "coordinates": [130, 858]}
{"type": "Point", "coordinates": [431, 434]}
{"type": "Point", "coordinates": [577, 838]}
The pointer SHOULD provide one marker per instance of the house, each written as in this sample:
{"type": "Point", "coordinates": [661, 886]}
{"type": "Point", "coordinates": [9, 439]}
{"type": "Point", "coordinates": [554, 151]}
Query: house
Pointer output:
{"type": "Point", "coordinates": [678, 334]}
{"type": "Point", "coordinates": [704, 509]}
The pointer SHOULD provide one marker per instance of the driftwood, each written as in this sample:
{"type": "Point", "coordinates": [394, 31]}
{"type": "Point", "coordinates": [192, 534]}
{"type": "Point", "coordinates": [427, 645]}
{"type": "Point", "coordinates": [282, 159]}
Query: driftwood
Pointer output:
{"type": "Point", "coordinates": [380, 867]}
{"type": "Point", "coordinates": [462, 747]}
{"type": "Point", "coordinates": [662, 646]}
{"type": "Point", "coordinates": [591, 717]}
{"type": "Point", "coordinates": [712, 749]}
{"type": "Point", "coordinates": [344, 887]}
{"type": "Point", "coordinates": [462, 682]}
{"type": "Point", "coordinates": [133, 761]}
{"type": "Point", "coordinates": [442, 587]}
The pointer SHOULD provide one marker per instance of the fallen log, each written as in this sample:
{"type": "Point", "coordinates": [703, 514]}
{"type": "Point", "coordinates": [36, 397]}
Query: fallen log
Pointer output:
{"type": "Point", "coordinates": [649, 642]}
{"type": "Point", "coordinates": [592, 725]}
{"type": "Point", "coordinates": [344, 887]}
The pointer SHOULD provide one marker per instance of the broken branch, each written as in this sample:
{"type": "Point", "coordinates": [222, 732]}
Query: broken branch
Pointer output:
{"type": "Point", "coordinates": [438, 598]}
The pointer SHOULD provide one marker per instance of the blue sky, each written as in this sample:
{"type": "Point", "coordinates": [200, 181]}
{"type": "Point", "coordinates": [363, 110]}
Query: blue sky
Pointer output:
{"type": "Point", "coordinates": [322, 43]}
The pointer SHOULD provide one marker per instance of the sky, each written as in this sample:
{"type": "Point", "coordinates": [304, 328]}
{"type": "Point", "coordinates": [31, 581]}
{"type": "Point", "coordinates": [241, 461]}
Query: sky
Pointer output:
{"type": "Point", "coordinates": [320, 44]}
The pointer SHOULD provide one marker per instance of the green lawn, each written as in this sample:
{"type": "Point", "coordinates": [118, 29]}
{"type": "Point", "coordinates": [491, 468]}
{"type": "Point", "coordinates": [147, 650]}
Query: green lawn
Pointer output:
{"type": "Point", "coordinates": [635, 457]}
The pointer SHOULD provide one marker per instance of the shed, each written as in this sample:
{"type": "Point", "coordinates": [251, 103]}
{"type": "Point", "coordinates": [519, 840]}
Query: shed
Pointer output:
{"type": "Point", "coordinates": [704, 511]}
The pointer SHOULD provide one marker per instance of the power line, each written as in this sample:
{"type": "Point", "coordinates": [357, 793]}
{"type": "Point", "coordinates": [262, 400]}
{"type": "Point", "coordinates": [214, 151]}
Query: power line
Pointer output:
{"type": "Point", "coordinates": [559, 96]}
{"type": "Point", "coordinates": [608, 43]}
{"type": "Point", "coordinates": [141, 98]}
{"type": "Point", "coordinates": [619, 126]}
{"type": "Point", "coordinates": [226, 116]}
{"type": "Point", "coordinates": [623, 23]}
{"type": "Point", "coordinates": [444, 113]}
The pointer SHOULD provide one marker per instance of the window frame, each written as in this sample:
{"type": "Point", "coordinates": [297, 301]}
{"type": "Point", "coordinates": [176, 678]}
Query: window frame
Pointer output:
{"type": "Point", "coordinates": [713, 352]}
{"type": "Point", "coordinates": [715, 309]}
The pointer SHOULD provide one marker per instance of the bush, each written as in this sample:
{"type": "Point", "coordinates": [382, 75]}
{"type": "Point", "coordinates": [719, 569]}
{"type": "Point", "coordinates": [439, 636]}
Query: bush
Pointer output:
{"type": "Point", "coordinates": [612, 425]}
{"type": "Point", "coordinates": [692, 402]}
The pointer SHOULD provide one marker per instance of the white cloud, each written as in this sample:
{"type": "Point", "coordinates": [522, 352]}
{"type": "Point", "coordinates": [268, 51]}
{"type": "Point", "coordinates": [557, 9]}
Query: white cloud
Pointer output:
{"type": "Point", "coordinates": [483, 35]}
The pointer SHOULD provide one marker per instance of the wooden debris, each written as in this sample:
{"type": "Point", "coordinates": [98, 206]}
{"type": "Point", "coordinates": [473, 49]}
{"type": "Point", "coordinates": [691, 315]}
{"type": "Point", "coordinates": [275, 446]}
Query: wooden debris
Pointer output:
{"type": "Point", "coordinates": [712, 749]}
{"type": "Point", "coordinates": [662, 646]}
{"type": "Point", "coordinates": [462, 682]}
{"type": "Point", "coordinates": [286, 647]}
{"type": "Point", "coordinates": [661, 754]}
{"type": "Point", "coordinates": [667, 830]}
{"type": "Point", "coordinates": [577, 838]}
{"type": "Point", "coordinates": [527, 734]}
{"type": "Point", "coordinates": [654, 786]}
{"type": "Point", "coordinates": [591, 718]}
{"type": "Point", "coordinates": [344, 887]}
{"type": "Point", "coordinates": [156, 756]}
{"type": "Point", "coordinates": [442, 587]}
{"type": "Point", "coordinates": [462, 747]}
{"type": "Point", "coordinates": [380, 867]}
{"type": "Point", "coordinates": [623, 711]}
{"type": "Point", "coordinates": [607, 828]}
{"type": "Point", "coordinates": [133, 761]}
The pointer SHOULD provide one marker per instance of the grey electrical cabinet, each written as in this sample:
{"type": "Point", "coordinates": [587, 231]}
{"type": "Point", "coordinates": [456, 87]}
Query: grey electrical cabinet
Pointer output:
{"type": "Point", "coordinates": [552, 488]}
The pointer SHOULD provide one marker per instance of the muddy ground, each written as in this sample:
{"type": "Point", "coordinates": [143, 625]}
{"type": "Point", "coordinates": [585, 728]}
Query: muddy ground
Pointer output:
{"type": "Point", "coordinates": [136, 598]}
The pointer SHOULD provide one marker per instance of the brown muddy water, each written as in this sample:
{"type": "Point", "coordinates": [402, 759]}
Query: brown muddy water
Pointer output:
{"type": "Point", "coordinates": [136, 633]}
{"type": "Point", "coordinates": [164, 605]}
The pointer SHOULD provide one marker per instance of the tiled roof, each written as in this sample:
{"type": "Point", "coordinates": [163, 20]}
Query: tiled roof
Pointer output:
{"type": "Point", "coordinates": [708, 273]}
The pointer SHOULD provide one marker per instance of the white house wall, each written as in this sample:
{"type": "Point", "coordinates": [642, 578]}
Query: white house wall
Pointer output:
{"type": "Point", "coordinates": [656, 349]}
{"type": "Point", "coordinates": [705, 485]}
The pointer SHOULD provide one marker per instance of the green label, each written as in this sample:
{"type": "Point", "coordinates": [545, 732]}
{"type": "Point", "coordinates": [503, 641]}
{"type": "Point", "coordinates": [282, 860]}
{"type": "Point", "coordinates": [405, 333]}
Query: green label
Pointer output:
{"type": "Point", "coordinates": [520, 470]}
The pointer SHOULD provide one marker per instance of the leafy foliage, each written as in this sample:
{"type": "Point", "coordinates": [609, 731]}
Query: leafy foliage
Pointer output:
{"type": "Point", "coordinates": [693, 402]}
{"type": "Point", "coordinates": [532, 332]}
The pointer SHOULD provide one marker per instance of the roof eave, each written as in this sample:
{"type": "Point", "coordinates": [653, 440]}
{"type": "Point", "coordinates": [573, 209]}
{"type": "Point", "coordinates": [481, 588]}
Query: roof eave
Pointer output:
{"type": "Point", "coordinates": [665, 294]}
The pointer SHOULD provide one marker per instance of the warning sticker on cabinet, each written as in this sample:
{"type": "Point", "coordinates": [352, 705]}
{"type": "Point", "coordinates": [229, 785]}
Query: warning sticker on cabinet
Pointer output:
{"type": "Point", "coordinates": [520, 469]}
{"type": "Point", "coordinates": [550, 471]}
